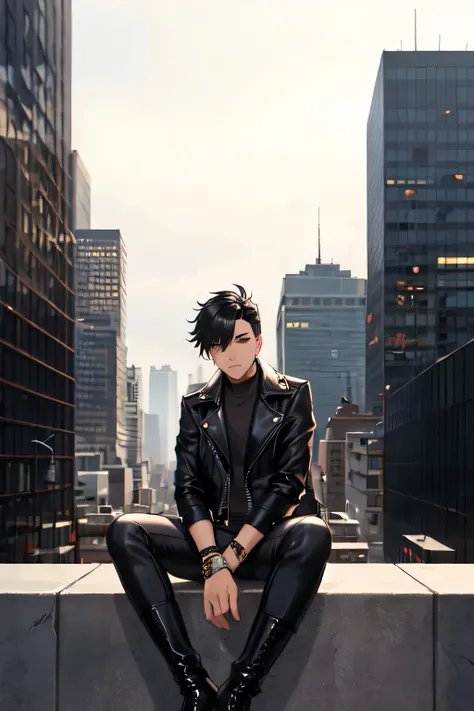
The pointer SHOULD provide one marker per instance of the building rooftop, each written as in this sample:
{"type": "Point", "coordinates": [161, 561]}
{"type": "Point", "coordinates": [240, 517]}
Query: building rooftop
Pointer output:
{"type": "Point", "coordinates": [427, 543]}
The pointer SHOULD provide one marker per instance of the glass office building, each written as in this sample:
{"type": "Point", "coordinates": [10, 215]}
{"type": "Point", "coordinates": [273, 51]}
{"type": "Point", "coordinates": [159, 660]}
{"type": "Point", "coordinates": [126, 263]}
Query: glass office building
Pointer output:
{"type": "Point", "coordinates": [37, 325]}
{"type": "Point", "coordinates": [101, 368]}
{"type": "Point", "coordinates": [420, 212]}
{"type": "Point", "coordinates": [429, 459]}
{"type": "Point", "coordinates": [321, 337]}
{"type": "Point", "coordinates": [164, 402]}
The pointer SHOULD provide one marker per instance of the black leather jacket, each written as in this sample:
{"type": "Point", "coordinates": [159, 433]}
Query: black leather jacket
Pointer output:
{"type": "Point", "coordinates": [279, 448]}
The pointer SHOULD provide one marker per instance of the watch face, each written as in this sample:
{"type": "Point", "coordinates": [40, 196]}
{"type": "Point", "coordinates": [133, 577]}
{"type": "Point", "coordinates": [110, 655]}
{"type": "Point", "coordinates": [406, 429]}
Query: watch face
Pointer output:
{"type": "Point", "coordinates": [215, 562]}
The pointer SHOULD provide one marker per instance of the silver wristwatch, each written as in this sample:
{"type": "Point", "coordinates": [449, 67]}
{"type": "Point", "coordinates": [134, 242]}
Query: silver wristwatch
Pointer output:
{"type": "Point", "coordinates": [213, 565]}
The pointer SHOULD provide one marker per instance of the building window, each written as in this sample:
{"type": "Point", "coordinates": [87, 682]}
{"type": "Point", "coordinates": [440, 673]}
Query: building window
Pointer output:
{"type": "Point", "coordinates": [297, 324]}
{"type": "Point", "coordinates": [373, 481]}
{"type": "Point", "coordinates": [375, 462]}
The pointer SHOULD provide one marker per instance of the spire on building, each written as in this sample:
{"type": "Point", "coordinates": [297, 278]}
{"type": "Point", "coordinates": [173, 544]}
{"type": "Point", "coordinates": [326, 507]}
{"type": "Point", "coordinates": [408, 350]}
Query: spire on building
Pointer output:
{"type": "Point", "coordinates": [318, 261]}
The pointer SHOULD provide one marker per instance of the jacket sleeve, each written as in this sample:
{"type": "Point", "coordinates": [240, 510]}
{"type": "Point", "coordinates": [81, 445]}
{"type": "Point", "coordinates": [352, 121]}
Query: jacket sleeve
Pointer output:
{"type": "Point", "coordinates": [293, 456]}
{"type": "Point", "coordinates": [189, 492]}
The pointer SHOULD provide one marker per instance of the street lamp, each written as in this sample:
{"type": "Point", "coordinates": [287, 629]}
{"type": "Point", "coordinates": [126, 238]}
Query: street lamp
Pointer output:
{"type": "Point", "coordinates": [51, 474]}
{"type": "Point", "coordinates": [50, 479]}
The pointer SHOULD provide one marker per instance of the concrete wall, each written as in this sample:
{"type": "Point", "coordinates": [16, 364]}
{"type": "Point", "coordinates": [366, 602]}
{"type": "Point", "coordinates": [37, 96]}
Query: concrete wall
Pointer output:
{"type": "Point", "coordinates": [376, 637]}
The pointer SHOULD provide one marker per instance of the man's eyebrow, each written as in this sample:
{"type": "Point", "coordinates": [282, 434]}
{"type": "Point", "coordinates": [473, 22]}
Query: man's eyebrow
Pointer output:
{"type": "Point", "coordinates": [242, 334]}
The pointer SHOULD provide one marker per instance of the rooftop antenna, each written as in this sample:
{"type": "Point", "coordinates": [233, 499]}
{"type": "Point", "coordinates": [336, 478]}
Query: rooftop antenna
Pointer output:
{"type": "Point", "coordinates": [318, 261]}
{"type": "Point", "coordinates": [467, 47]}
{"type": "Point", "coordinates": [416, 46]}
{"type": "Point", "coordinates": [439, 43]}
{"type": "Point", "coordinates": [401, 45]}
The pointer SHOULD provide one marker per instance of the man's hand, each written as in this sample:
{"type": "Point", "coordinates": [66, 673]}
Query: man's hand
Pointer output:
{"type": "Point", "coordinates": [220, 594]}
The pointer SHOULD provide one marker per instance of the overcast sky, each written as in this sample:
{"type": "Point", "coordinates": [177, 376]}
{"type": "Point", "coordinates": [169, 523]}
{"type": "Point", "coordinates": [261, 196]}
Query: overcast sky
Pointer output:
{"type": "Point", "coordinates": [213, 129]}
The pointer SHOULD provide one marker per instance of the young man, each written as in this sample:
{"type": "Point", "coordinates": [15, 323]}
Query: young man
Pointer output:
{"type": "Point", "coordinates": [243, 455]}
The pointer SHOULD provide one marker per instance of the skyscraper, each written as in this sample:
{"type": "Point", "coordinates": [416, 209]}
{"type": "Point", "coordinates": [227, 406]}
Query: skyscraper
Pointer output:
{"type": "Point", "coordinates": [80, 198]}
{"type": "Point", "coordinates": [101, 353]}
{"type": "Point", "coordinates": [420, 210]}
{"type": "Point", "coordinates": [151, 441]}
{"type": "Point", "coordinates": [134, 423]}
{"type": "Point", "coordinates": [320, 336]}
{"type": "Point", "coordinates": [36, 284]}
{"type": "Point", "coordinates": [163, 402]}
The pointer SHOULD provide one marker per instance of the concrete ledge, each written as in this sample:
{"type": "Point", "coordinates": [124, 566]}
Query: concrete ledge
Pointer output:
{"type": "Point", "coordinates": [377, 637]}
{"type": "Point", "coordinates": [453, 589]}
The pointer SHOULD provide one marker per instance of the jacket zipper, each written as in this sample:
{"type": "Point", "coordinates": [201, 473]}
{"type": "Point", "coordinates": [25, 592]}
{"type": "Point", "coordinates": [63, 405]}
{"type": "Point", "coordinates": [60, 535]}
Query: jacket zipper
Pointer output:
{"type": "Point", "coordinates": [226, 475]}
{"type": "Point", "coordinates": [247, 493]}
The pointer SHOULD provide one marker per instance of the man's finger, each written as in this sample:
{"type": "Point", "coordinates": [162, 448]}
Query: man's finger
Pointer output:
{"type": "Point", "coordinates": [216, 623]}
{"type": "Point", "coordinates": [233, 604]}
{"type": "Point", "coordinates": [224, 602]}
{"type": "Point", "coordinates": [216, 607]}
{"type": "Point", "coordinates": [223, 622]}
{"type": "Point", "coordinates": [208, 609]}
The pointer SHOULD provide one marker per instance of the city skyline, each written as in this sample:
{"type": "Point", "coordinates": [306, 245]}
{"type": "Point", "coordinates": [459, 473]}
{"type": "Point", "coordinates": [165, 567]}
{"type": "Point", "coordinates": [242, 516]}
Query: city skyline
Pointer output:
{"type": "Point", "coordinates": [278, 129]}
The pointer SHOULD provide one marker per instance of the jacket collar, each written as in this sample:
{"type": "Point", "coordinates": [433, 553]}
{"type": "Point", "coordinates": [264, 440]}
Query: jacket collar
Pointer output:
{"type": "Point", "coordinates": [271, 383]}
{"type": "Point", "coordinates": [266, 417]}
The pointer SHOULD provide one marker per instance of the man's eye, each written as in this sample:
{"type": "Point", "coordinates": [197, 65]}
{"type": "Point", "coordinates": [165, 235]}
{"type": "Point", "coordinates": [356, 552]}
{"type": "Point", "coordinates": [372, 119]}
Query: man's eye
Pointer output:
{"type": "Point", "coordinates": [243, 340]}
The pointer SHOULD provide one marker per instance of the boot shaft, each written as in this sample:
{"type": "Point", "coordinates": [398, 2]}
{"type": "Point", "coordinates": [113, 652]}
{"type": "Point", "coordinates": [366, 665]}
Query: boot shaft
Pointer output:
{"type": "Point", "coordinates": [166, 627]}
{"type": "Point", "coordinates": [267, 639]}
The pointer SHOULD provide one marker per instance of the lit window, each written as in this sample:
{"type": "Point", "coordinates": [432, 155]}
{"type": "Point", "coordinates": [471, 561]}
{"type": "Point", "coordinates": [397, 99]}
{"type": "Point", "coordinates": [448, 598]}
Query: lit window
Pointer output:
{"type": "Point", "coordinates": [289, 325]}
{"type": "Point", "coordinates": [455, 260]}
{"type": "Point", "coordinates": [401, 182]}
{"type": "Point", "coordinates": [390, 182]}
{"type": "Point", "coordinates": [304, 324]}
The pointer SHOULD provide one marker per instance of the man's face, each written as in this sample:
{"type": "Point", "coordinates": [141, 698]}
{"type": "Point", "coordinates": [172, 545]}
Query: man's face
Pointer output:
{"type": "Point", "coordinates": [239, 355]}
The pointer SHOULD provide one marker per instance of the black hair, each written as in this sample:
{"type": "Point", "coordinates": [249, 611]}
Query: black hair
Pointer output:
{"type": "Point", "coordinates": [215, 322]}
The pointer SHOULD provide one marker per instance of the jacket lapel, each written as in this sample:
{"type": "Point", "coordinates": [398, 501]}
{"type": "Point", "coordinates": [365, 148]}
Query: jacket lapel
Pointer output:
{"type": "Point", "coordinates": [267, 416]}
{"type": "Point", "coordinates": [216, 432]}
{"type": "Point", "coordinates": [213, 423]}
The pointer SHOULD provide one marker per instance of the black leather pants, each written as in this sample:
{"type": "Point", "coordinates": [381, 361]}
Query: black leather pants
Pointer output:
{"type": "Point", "coordinates": [290, 560]}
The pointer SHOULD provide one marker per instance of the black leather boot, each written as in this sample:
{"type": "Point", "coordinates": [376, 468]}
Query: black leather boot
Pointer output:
{"type": "Point", "coordinates": [267, 639]}
{"type": "Point", "coordinates": [166, 627]}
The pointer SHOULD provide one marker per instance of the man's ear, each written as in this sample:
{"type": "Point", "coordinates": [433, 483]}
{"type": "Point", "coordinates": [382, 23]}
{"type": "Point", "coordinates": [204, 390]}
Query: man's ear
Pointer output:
{"type": "Point", "coordinates": [259, 341]}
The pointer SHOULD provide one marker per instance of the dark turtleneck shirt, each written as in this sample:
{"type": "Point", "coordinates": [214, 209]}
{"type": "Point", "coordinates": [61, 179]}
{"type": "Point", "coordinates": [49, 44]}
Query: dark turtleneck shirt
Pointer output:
{"type": "Point", "coordinates": [239, 403]}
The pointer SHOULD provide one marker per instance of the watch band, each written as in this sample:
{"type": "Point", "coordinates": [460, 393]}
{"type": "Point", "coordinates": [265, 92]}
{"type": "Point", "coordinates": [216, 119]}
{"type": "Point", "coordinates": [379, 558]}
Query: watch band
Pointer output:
{"type": "Point", "coordinates": [209, 549]}
{"type": "Point", "coordinates": [239, 550]}
{"type": "Point", "coordinates": [213, 565]}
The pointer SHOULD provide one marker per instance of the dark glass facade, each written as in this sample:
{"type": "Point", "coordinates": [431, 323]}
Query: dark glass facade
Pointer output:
{"type": "Point", "coordinates": [101, 368]}
{"type": "Point", "coordinates": [420, 172]}
{"type": "Point", "coordinates": [37, 325]}
{"type": "Point", "coordinates": [429, 458]}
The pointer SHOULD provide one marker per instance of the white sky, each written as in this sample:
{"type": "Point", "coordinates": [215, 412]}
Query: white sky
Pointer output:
{"type": "Point", "coordinates": [213, 129]}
